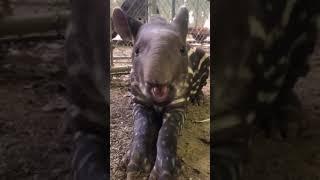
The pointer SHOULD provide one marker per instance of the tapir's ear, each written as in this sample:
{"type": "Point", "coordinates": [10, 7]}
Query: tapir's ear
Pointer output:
{"type": "Point", "coordinates": [181, 21]}
{"type": "Point", "coordinates": [127, 27]}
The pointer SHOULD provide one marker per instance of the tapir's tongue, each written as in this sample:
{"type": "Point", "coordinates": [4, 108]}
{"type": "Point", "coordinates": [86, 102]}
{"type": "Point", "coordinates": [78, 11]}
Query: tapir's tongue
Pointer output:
{"type": "Point", "coordinates": [159, 93]}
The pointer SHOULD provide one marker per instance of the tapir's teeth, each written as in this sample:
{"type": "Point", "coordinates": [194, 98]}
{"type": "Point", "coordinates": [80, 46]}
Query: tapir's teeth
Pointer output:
{"type": "Point", "coordinates": [160, 91]}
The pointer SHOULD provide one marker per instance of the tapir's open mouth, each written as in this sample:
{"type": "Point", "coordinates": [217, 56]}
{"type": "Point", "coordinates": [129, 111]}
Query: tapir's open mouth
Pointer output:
{"type": "Point", "coordinates": [160, 93]}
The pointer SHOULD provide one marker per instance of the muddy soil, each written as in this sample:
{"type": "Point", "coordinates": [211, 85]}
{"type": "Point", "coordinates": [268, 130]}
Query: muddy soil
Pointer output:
{"type": "Point", "coordinates": [193, 143]}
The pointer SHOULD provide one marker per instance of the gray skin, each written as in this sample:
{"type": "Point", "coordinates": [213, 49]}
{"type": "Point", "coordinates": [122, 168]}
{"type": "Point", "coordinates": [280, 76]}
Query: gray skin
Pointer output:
{"type": "Point", "coordinates": [159, 83]}
{"type": "Point", "coordinates": [261, 48]}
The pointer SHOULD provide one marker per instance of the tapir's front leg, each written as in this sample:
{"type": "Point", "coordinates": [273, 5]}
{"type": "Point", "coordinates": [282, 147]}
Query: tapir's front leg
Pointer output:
{"type": "Point", "coordinates": [165, 165]}
{"type": "Point", "coordinates": [142, 152]}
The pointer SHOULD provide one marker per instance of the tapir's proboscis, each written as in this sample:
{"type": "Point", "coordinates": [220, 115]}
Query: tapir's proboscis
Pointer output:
{"type": "Point", "coordinates": [166, 74]}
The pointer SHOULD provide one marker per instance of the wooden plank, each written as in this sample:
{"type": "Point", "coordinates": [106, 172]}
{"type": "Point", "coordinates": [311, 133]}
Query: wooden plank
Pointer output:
{"type": "Point", "coordinates": [37, 23]}
{"type": "Point", "coordinates": [120, 69]}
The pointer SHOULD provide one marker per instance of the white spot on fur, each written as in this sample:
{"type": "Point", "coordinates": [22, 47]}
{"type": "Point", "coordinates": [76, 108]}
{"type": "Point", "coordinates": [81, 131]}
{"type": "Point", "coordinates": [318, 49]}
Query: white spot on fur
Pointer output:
{"type": "Point", "coordinates": [205, 57]}
{"type": "Point", "coordinates": [267, 97]}
{"type": "Point", "coordinates": [167, 115]}
{"type": "Point", "coordinates": [190, 71]}
{"type": "Point", "coordinates": [135, 113]}
{"type": "Point", "coordinates": [177, 101]}
{"type": "Point", "coordinates": [256, 28]}
{"type": "Point", "coordinates": [272, 37]}
{"type": "Point", "coordinates": [287, 12]}
{"type": "Point", "coordinates": [250, 117]}
{"type": "Point", "coordinates": [164, 120]}
{"type": "Point", "coordinates": [269, 72]}
{"type": "Point", "coordinates": [139, 98]}
{"type": "Point", "coordinates": [227, 122]}
{"type": "Point", "coordinates": [195, 84]}
{"type": "Point", "coordinates": [143, 88]}
{"type": "Point", "coordinates": [191, 51]}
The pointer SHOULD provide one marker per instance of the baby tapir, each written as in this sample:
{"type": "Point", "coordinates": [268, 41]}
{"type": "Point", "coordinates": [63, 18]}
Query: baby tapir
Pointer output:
{"type": "Point", "coordinates": [166, 73]}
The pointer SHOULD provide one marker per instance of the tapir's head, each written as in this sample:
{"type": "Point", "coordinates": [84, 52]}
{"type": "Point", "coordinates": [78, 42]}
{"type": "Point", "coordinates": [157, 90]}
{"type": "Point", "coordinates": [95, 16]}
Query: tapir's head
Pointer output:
{"type": "Point", "coordinates": [160, 57]}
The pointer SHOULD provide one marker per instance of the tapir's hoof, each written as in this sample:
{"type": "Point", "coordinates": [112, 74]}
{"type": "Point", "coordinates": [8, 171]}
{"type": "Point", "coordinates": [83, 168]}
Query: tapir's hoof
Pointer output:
{"type": "Point", "coordinates": [163, 175]}
{"type": "Point", "coordinates": [125, 159]}
{"type": "Point", "coordinates": [137, 171]}
{"type": "Point", "coordinates": [136, 176]}
{"type": "Point", "coordinates": [137, 165]}
{"type": "Point", "coordinates": [143, 167]}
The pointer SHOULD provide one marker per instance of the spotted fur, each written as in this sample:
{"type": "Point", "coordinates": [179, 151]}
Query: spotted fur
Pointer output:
{"type": "Point", "coordinates": [199, 63]}
{"type": "Point", "coordinates": [262, 48]}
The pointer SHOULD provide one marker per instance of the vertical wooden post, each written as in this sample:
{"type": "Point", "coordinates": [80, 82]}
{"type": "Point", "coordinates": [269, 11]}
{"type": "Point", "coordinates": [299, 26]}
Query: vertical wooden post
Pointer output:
{"type": "Point", "coordinates": [111, 55]}
{"type": "Point", "coordinates": [173, 9]}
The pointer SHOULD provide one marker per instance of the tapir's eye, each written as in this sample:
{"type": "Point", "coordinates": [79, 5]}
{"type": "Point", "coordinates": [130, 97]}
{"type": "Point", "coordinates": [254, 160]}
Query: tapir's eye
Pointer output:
{"type": "Point", "coordinates": [136, 51]}
{"type": "Point", "coordinates": [183, 50]}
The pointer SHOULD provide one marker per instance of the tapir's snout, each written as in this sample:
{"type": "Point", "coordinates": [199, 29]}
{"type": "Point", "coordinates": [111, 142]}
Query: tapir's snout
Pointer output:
{"type": "Point", "coordinates": [161, 69]}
